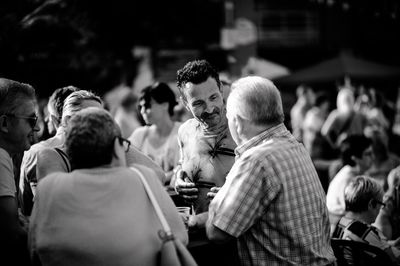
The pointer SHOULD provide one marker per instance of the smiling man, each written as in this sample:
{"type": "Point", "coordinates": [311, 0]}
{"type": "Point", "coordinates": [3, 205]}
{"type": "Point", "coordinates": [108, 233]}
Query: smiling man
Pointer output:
{"type": "Point", "coordinates": [206, 146]}
{"type": "Point", "coordinates": [17, 126]}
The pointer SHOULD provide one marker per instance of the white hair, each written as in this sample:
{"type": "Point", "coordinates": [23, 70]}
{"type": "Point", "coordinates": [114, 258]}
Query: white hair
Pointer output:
{"type": "Point", "coordinates": [345, 100]}
{"type": "Point", "coordinates": [73, 103]}
{"type": "Point", "coordinates": [256, 99]}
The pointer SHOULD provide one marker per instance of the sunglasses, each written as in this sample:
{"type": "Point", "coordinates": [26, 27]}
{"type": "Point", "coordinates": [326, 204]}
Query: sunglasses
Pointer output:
{"type": "Point", "coordinates": [32, 120]}
{"type": "Point", "coordinates": [381, 203]}
{"type": "Point", "coordinates": [125, 143]}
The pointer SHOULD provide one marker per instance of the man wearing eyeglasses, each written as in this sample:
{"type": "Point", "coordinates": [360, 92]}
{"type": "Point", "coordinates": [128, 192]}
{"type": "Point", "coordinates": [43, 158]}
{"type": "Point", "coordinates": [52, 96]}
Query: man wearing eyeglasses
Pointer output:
{"type": "Point", "coordinates": [17, 127]}
{"type": "Point", "coordinates": [363, 199]}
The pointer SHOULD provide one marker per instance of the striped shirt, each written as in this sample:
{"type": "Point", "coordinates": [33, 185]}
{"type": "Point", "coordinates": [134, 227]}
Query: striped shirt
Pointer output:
{"type": "Point", "coordinates": [273, 202]}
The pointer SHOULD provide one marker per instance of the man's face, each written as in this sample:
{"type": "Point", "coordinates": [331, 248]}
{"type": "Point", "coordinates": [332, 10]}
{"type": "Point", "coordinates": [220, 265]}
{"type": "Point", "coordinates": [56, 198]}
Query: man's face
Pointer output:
{"type": "Point", "coordinates": [21, 130]}
{"type": "Point", "coordinates": [205, 102]}
{"type": "Point", "coordinates": [366, 159]}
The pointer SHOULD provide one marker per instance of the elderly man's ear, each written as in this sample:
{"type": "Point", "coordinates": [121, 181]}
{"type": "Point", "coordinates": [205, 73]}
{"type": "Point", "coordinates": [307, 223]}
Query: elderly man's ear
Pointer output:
{"type": "Point", "coordinates": [119, 154]}
{"type": "Point", "coordinates": [3, 124]}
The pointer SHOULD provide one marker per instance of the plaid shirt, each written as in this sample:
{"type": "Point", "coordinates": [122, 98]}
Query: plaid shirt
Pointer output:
{"type": "Point", "coordinates": [273, 202]}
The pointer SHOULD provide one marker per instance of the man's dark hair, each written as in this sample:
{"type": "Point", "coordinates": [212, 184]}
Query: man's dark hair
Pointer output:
{"type": "Point", "coordinates": [353, 145]}
{"type": "Point", "coordinates": [56, 100]}
{"type": "Point", "coordinates": [196, 72]}
{"type": "Point", "coordinates": [161, 93]}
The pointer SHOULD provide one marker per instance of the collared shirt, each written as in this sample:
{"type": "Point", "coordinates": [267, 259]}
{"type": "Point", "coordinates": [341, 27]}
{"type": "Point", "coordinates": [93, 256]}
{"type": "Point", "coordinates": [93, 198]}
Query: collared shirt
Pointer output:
{"type": "Point", "coordinates": [273, 202]}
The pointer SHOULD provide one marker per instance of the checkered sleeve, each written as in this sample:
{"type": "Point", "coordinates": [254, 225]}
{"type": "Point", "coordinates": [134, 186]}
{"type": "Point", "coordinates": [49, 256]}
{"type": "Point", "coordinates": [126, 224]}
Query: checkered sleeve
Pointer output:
{"type": "Point", "coordinates": [249, 188]}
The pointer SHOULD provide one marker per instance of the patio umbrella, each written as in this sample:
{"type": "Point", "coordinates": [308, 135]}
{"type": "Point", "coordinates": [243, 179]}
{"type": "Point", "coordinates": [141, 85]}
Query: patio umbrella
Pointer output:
{"type": "Point", "coordinates": [344, 65]}
{"type": "Point", "coordinates": [264, 68]}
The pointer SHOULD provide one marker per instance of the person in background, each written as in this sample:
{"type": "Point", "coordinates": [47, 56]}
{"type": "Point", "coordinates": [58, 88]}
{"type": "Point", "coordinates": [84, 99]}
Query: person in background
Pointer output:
{"type": "Point", "coordinates": [272, 200]}
{"type": "Point", "coordinates": [206, 145]}
{"type": "Point", "coordinates": [377, 130]}
{"type": "Point", "coordinates": [126, 115]}
{"type": "Point", "coordinates": [17, 127]}
{"type": "Point", "coordinates": [313, 122]}
{"type": "Point", "coordinates": [388, 220]}
{"type": "Point", "coordinates": [357, 157]}
{"type": "Point", "coordinates": [158, 139]}
{"type": "Point", "coordinates": [343, 121]}
{"type": "Point", "coordinates": [99, 214]}
{"type": "Point", "coordinates": [305, 100]}
{"type": "Point", "coordinates": [363, 199]}
{"type": "Point", "coordinates": [53, 158]}
{"type": "Point", "coordinates": [28, 180]}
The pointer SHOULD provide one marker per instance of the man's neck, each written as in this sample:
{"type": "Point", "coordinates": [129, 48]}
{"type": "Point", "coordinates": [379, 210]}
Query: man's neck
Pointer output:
{"type": "Point", "coordinates": [361, 216]}
{"type": "Point", "coordinates": [216, 129]}
{"type": "Point", "coordinates": [255, 130]}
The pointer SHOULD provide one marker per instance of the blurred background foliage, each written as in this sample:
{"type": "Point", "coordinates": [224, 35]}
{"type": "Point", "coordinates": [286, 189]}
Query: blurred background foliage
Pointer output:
{"type": "Point", "coordinates": [52, 43]}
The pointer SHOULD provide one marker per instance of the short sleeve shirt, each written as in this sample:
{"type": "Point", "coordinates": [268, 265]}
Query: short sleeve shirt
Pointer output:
{"type": "Point", "coordinates": [273, 202]}
{"type": "Point", "coordinates": [7, 182]}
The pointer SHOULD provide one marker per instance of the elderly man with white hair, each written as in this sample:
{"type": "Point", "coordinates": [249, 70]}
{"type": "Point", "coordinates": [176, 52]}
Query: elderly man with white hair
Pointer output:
{"type": "Point", "coordinates": [272, 200]}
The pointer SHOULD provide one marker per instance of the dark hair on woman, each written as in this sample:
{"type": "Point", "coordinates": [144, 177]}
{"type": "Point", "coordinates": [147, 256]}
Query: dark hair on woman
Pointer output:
{"type": "Point", "coordinates": [161, 93]}
{"type": "Point", "coordinates": [353, 145]}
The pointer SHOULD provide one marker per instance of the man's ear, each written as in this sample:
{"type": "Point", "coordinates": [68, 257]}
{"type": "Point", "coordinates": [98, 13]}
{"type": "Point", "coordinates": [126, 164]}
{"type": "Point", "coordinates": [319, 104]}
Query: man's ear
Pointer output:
{"type": "Point", "coordinates": [165, 106]}
{"type": "Point", "coordinates": [241, 124]}
{"type": "Point", "coordinates": [3, 124]}
{"type": "Point", "coordinates": [355, 159]}
{"type": "Point", "coordinates": [119, 155]}
{"type": "Point", "coordinates": [372, 204]}
{"type": "Point", "coordinates": [55, 121]}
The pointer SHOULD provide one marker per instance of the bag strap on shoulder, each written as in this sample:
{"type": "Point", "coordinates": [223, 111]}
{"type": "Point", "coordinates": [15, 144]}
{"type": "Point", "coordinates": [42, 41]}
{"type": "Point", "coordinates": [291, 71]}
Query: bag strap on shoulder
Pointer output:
{"type": "Point", "coordinates": [65, 158]}
{"type": "Point", "coordinates": [157, 208]}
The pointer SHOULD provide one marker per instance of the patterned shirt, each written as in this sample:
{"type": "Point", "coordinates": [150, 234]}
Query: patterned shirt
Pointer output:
{"type": "Point", "coordinates": [273, 202]}
{"type": "Point", "coordinates": [351, 229]}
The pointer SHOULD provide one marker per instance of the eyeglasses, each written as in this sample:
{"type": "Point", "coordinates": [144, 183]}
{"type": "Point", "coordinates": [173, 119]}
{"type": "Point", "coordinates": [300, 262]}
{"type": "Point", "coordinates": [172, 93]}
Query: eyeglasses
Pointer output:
{"type": "Point", "coordinates": [125, 143]}
{"type": "Point", "coordinates": [381, 203]}
{"type": "Point", "coordinates": [32, 120]}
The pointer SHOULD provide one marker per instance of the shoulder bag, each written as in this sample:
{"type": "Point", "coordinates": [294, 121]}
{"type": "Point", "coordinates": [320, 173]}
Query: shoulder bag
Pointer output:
{"type": "Point", "coordinates": [173, 252]}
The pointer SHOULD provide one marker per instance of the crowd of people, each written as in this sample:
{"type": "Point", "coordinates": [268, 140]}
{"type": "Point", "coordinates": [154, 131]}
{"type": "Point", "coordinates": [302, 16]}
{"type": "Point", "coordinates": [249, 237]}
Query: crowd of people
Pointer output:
{"type": "Point", "coordinates": [72, 199]}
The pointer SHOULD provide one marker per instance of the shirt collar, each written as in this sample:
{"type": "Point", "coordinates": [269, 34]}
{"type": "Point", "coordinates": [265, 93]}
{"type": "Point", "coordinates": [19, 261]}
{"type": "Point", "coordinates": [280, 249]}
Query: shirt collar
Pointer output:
{"type": "Point", "coordinates": [263, 136]}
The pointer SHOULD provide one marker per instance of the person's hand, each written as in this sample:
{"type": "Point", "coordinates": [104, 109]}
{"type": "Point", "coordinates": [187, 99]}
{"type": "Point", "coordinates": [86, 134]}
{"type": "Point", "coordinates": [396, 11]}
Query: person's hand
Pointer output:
{"type": "Point", "coordinates": [213, 192]}
{"type": "Point", "coordinates": [184, 187]}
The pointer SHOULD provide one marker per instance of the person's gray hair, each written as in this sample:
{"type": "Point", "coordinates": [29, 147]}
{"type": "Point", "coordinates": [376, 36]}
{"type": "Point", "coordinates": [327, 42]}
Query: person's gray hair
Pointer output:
{"type": "Point", "coordinates": [73, 103]}
{"type": "Point", "coordinates": [90, 136]}
{"type": "Point", "coordinates": [12, 94]}
{"type": "Point", "coordinates": [360, 192]}
{"type": "Point", "coordinates": [257, 99]}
